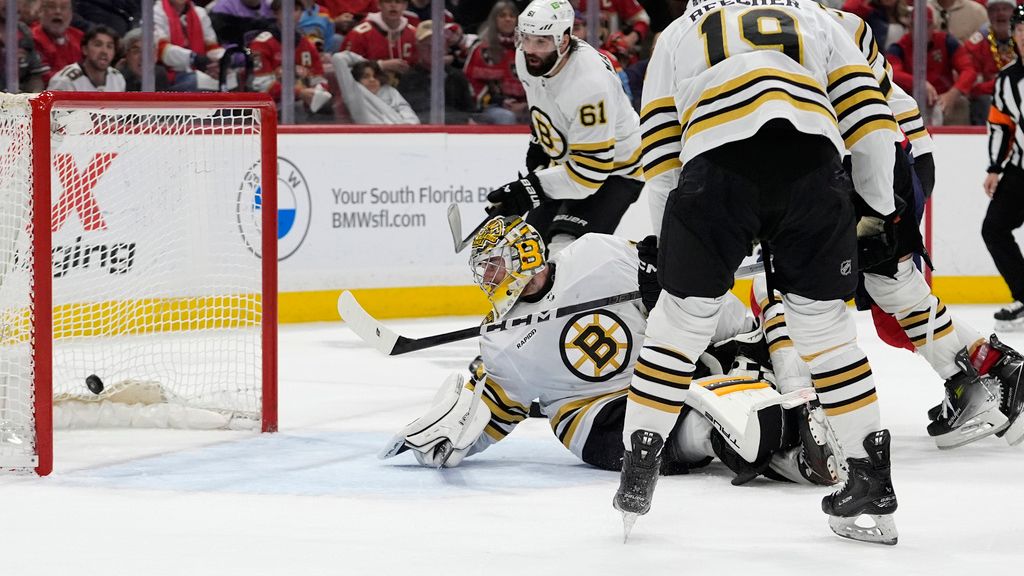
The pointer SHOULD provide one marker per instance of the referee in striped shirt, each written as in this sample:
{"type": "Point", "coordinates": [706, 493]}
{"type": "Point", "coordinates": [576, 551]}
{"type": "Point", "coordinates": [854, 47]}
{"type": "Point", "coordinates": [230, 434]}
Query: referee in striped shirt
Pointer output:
{"type": "Point", "coordinates": [1005, 181]}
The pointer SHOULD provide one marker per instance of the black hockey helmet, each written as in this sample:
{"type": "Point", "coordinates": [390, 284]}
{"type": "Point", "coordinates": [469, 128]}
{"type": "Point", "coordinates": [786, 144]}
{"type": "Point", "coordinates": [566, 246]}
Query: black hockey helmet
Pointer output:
{"type": "Point", "coordinates": [1017, 17]}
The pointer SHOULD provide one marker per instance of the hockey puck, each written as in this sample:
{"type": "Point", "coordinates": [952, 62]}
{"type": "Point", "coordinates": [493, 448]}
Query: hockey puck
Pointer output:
{"type": "Point", "coordinates": [94, 384]}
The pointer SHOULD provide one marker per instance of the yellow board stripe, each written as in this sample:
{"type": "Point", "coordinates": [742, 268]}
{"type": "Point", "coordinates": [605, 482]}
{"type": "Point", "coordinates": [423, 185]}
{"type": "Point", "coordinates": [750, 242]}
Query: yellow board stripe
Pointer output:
{"type": "Point", "coordinates": [852, 406]}
{"type": "Point", "coordinates": [144, 316]}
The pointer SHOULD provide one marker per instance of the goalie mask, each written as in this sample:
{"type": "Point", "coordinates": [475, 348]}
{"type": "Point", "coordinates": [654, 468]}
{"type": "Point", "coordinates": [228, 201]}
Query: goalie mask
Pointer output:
{"type": "Point", "coordinates": [506, 254]}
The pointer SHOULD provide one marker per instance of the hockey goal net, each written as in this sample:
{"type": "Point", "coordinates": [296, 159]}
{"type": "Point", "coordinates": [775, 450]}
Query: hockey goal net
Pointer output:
{"type": "Point", "coordinates": [138, 252]}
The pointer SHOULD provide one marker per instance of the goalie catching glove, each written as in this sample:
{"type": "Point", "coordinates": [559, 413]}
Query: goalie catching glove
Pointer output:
{"type": "Point", "coordinates": [443, 436]}
{"type": "Point", "coordinates": [517, 197]}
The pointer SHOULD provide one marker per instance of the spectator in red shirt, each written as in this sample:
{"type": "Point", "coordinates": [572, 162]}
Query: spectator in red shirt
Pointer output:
{"type": "Point", "coordinates": [386, 37]}
{"type": "Point", "coordinates": [346, 14]}
{"type": "Point", "coordinates": [626, 16]}
{"type": "Point", "coordinates": [990, 52]}
{"type": "Point", "coordinates": [187, 44]}
{"type": "Point", "coordinates": [950, 74]}
{"type": "Point", "coordinates": [491, 68]}
{"type": "Point", "coordinates": [57, 42]}
{"type": "Point", "coordinates": [310, 83]}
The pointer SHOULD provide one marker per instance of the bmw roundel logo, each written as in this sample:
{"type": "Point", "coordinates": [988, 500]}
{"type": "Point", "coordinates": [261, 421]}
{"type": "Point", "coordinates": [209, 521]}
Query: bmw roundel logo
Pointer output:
{"type": "Point", "coordinates": [294, 208]}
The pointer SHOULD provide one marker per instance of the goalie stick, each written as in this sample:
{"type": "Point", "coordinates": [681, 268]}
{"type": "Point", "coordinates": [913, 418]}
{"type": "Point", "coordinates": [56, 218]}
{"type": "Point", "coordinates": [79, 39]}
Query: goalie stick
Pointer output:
{"type": "Point", "coordinates": [373, 332]}
{"type": "Point", "coordinates": [455, 225]}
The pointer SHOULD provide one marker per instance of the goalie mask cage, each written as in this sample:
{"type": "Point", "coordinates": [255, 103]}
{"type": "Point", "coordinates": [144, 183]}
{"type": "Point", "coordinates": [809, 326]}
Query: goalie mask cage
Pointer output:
{"type": "Point", "coordinates": [138, 243]}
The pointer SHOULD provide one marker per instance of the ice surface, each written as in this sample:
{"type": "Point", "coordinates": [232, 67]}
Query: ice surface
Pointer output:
{"type": "Point", "coordinates": [314, 499]}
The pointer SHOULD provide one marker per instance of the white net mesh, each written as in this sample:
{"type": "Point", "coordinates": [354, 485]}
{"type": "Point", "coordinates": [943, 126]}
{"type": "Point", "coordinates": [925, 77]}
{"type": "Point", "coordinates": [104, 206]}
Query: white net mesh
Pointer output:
{"type": "Point", "coordinates": [156, 238]}
{"type": "Point", "coordinates": [17, 424]}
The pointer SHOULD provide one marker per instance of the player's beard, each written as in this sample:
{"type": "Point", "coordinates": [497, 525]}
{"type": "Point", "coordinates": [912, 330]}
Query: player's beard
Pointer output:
{"type": "Point", "coordinates": [545, 66]}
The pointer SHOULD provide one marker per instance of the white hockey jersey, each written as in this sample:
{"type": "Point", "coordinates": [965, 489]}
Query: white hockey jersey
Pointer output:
{"type": "Point", "coordinates": [727, 67]}
{"type": "Point", "coordinates": [585, 123]}
{"type": "Point", "coordinates": [576, 364]}
{"type": "Point", "coordinates": [72, 78]}
{"type": "Point", "coordinates": [903, 106]}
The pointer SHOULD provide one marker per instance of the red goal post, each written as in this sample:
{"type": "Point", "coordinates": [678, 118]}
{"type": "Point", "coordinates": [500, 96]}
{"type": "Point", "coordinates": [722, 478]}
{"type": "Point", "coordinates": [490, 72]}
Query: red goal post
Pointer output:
{"type": "Point", "coordinates": [156, 268]}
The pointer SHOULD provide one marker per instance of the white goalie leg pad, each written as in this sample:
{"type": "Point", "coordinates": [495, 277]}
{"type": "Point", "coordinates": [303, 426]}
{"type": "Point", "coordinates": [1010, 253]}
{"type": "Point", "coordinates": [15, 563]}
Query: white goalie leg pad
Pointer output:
{"type": "Point", "coordinates": [444, 434]}
{"type": "Point", "coordinates": [748, 413]}
{"type": "Point", "coordinates": [693, 439]}
{"type": "Point", "coordinates": [826, 338]}
{"type": "Point", "coordinates": [922, 316]}
{"type": "Point", "coordinates": [678, 331]}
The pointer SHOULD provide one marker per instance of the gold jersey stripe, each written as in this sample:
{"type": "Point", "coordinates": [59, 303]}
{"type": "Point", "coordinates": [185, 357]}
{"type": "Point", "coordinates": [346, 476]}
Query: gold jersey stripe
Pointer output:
{"type": "Point", "coordinates": [673, 131]}
{"type": "Point", "coordinates": [661, 167]}
{"type": "Point", "coordinates": [588, 162]}
{"type": "Point", "coordinates": [503, 397]}
{"type": "Point", "coordinates": [662, 375]}
{"type": "Point", "coordinates": [852, 406]}
{"type": "Point", "coordinates": [581, 179]}
{"type": "Point", "coordinates": [869, 127]}
{"type": "Point", "coordinates": [658, 103]}
{"type": "Point", "coordinates": [717, 119]}
{"type": "Point", "coordinates": [843, 377]}
{"type": "Point", "coordinates": [779, 345]}
{"type": "Point", "coordinates": [851, 70]}
{"type": "Point", "coordinates": [593, 146]}
{"type": "Point", "coordinates": [631, 397]}
{"type": "Point", "coordinates": [711, 94]}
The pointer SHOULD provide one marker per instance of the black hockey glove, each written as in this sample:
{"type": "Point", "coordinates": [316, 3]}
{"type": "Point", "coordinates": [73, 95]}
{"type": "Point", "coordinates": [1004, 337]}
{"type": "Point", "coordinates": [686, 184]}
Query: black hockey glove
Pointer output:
{"type": "Point", "coordinates": [647, 272]}
{"type": "Point", "coordinates": [876, 241]}
{"type": "Point", "coordinates": [536, 157]}
{"type": "Point", "coordinates": [517, 197]}
{"type": "Point", "coordinates": [200, 62]}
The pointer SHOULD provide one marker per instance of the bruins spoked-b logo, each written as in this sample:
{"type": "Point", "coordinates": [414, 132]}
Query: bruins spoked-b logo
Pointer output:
{"type": "Point", "coordinates": [596, 345]}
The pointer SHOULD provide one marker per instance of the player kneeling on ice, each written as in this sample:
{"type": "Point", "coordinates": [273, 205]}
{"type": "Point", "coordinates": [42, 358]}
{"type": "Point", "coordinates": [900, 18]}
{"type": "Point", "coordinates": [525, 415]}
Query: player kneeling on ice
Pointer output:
{"type": "Point", "coordinates": [578, 367]}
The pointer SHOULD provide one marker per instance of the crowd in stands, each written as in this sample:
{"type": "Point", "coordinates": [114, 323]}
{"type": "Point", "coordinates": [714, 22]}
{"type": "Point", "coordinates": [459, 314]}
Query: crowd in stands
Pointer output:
{"type": "Point", "coordinates": [369, 61]}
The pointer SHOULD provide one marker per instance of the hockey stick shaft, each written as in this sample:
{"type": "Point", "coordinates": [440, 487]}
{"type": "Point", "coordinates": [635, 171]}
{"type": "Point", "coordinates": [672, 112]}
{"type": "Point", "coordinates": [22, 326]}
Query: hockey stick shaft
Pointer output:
{"type": "Point", "coordinates": [393, 344]}
{"type": "Point", "coordinates": [455, 224]}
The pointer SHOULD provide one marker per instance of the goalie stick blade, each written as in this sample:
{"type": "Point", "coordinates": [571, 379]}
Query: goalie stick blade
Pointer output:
{"type": "Point", "coordinates": [455, 226]}
{"type": "Point", "coordinates": [365, 326]}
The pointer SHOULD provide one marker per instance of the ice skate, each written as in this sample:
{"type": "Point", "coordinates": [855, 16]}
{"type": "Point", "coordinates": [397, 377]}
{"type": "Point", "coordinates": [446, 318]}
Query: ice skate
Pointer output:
{"type": "Point", "coordinates": [640, 467]}
{"type": "Point", "coordinates": [867, 492]}
{"type": "Point", "coordinates": [970, 410]}
{"type": "Point", "coordinates": [1011, 318]}
{"type": "Point", "coordinates": [1008, 370]}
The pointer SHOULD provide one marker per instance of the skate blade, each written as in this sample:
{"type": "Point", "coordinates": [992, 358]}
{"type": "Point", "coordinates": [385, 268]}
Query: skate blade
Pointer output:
{"type": "Point", "coordinates": [1014, 434]}
{"type": "Point", "coordinates": [976, 428]}
{"type": "Point", "coordinates": [628, 520]}
{"type": "Point", "coordinates": [882, 532]}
